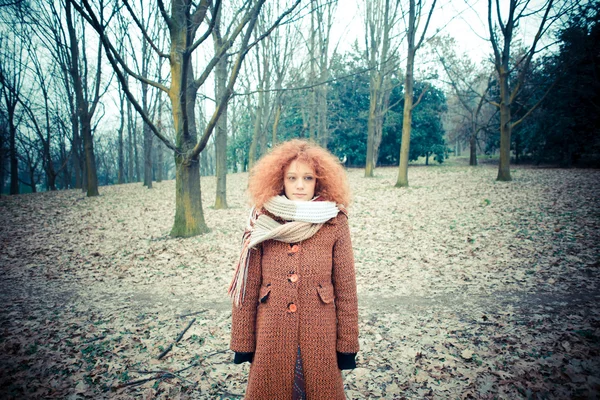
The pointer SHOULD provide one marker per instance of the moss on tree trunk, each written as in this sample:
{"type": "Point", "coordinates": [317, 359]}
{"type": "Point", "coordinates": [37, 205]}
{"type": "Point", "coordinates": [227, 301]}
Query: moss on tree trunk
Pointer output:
{"type": "Point", "coordinates": [189, 218]}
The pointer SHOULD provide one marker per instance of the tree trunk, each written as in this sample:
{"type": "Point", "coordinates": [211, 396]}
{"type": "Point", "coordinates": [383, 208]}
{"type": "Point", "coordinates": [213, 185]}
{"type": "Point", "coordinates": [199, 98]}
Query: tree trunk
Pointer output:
{"type": "Point", "coordinates": [406, 121]}
{"type": "Point", "coordinates": [370, 161]}
{"type": "Point", "coordinates": [14, 163]}
{"type": "Point", "coordinates": [313, 56]}
{"type": "Point", "coordinates": [276, 123]}
{"type": "Point", "coordinates": [221, 137]}
{"type": "Point", "coordinates": [409, 86]}
{"type": "Point", "coordinates": [32, 179]}
{"type": "Point", "coordinates": [76, 150]}
{"type": "Point", "coordinates": [90, 159]}
{"type": "Point", "coordinates": [505, 130]}
{"type": "Point", "coordinates": [121, 162]}
{"type": "Point", "coordinates": [2, 158]}
{"type": "Point", "coordinates": [427, 158]}
{"type": "Point", "coordinates": [148, 135]}
{"type": "Point", "coordinates": [160, 164]}
{"type": "Point", "coordinates": [189, 218]}
{"type": "Point", "coordinates": [473, 148]}
{"type": "Point", "coordinates": [322, 115]}
{"type": "Point", "coordinates": [136, 157]}
{"type": "Point", "coordinates": [83, 109]}
{"type": "Point", "coordinates": [130, 146]}
{"type": "Point", "coordinates": [252, 154]}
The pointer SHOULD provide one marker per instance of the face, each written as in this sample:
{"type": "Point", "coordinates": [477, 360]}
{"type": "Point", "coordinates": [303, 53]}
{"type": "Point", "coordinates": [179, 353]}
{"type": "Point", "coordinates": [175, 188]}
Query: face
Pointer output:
{"type": "Point", "coordinates": [299, 181]}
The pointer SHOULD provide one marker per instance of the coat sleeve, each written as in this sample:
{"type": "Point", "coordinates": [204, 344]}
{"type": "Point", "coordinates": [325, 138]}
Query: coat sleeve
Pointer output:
{"type": "Point", "coordinates": [344, 284]}
{"type": "Point", "coordinates": [243, 318]}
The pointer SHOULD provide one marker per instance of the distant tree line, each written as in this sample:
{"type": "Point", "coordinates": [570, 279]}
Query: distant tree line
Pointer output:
{"type": "Point", "coordinates": [125, 91]}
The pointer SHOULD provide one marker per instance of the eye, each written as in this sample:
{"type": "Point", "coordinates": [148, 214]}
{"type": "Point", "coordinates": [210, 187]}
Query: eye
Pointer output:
{"type": "Point", "coordinates": [308, 178]}
{"type": "Point", "coordinates": [291, 178]}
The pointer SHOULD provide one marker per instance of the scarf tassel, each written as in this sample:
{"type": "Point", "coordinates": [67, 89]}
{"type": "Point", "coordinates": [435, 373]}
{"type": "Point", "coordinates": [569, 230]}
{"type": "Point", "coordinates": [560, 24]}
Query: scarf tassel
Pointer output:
{"type": "Point", "coordinates": [237, 288]}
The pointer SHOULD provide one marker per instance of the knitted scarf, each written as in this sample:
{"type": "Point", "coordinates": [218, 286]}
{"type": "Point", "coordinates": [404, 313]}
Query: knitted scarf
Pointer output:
{"type": "Point", "coordinates": [306, 218]}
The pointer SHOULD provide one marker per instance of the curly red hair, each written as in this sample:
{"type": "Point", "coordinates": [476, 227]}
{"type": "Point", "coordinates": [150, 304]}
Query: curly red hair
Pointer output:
{"type": "Point", "coordinates": [266, 177]}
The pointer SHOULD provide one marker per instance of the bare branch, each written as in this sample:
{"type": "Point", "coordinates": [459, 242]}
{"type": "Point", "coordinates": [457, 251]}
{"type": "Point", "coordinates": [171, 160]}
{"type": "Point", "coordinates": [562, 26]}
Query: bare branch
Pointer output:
{"type": "Point", "coordinates": [143, 29]}
{"type": "Point", "coordinates": [536, 105]}
{"type": "Point", "coordinates": [275, 25]}
{"type": "Point", "coordinates": [425, 89]}
{"type": "Point", "coordinates": [531, 53]}
{"type": "Point", "coordinates": [165, 15]}
{"type": "Point", "coordinates": [493, 37]}
{"type": "Point", "coordinates": [93, 21]}
{"type": "Point", "coordinates": [211, 26]}
{"type": "Point", "coordinates": [426, 25]}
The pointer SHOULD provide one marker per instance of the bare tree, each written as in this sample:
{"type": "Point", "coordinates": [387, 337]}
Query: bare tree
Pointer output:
{"type": "Point", "coordinates": [501, 37]}
{"type": "Point", "coordinates": [86, 98]}
{"type": "Point", "coordinates": [221, 128]}
{"type": "Point", "coordinates": [12, 75]}
{"type": "Point", "coordinates": [285, 40]}
{"type": "Point", "coordinates": [263, 71]}
{"type": "Point", "coordinates": [183, 23]}
{"type": "Point", "coordinates": [121, 143]}
{"type": "Point", "coordinates": [3, 150]}
{"type": "Point", "coordinates": [29, 157]}
{"type": "Point", "coordinates": [415, 11]}
{"type": "Point", "coordinates": [380, 18]}
{"type": "Point", "coordinates": [471, 86]}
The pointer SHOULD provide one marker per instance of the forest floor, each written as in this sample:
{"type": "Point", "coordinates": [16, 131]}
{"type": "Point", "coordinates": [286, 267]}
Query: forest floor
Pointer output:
{"type": "Point", "coordinates": [468, 288]}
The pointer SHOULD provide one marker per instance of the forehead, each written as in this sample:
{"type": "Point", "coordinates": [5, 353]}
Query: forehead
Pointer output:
{"type": "Point", "coordinates": [299, 167]}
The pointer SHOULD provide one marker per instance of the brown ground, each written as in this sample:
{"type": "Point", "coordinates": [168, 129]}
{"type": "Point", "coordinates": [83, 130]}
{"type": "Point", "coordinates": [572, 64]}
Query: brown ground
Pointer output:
{"type": "Point", "coordinates": [468, 287]}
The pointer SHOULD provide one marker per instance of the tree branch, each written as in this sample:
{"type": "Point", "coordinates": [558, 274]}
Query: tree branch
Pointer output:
{"type": "Point", "coordinates": [534, 106]}
{"type": "Point", "coordinates": [93, 21]}
{"type": "Point", "coordinates": [211, 26]}
{"type": "Point", "coordinates": [165, 15]}
{"type": "Point", "coordinates": [144, 32]}
{"type": "Point", "coordinates": [523, 72]}
{"type": "Point", "coordinates": [426, 26]}
{"type": "Point", "coordinates": [425, 89]}
{"type": "Point", "coordinates": [493, 37]}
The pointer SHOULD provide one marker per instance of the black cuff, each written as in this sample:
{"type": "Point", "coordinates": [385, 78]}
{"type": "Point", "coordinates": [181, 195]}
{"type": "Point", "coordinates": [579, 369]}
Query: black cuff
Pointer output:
{"type": "Point", "coordinates": [346, 360]}
{"type": "Point", "coordinates": [243, 357]}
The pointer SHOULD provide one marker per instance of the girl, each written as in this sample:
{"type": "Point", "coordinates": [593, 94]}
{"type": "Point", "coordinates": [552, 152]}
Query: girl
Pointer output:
{"type": "Point", "coordinates": [295, 313]}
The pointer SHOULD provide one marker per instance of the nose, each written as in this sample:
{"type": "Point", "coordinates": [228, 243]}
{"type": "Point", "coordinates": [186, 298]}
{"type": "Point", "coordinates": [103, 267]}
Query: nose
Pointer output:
{"type": "Point", "coordinates": [300, 183]}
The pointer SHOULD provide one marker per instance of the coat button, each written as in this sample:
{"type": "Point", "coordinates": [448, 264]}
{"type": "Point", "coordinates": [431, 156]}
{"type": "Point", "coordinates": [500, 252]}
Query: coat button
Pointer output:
{"type": "Point", "coordinates": [295, 248]}
{"type": "Point", "coordinates": [292, 308]}
{"type": "Point", "coordinates": [293, 278]}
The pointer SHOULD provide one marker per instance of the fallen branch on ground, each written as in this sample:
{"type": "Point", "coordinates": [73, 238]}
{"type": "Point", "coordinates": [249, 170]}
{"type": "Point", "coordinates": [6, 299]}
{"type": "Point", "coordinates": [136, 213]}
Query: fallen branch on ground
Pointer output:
{"type": "Point", "coordinates": [190, 314]}
{"type": "Point", "coordinates": [166, 374]}
{"type": "Point", "coordinates": [168, 349]}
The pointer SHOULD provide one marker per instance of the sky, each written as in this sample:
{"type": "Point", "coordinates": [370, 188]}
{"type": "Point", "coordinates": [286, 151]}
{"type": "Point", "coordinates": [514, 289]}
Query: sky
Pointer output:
{"type": "Point", "coordinates": [464, 20]}
{"type": "Point", "coordinates": [467, 24]}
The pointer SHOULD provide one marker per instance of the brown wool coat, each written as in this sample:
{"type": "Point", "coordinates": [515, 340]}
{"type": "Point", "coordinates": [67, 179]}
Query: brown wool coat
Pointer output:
{"type": "Point", "coordinates": [324, 292]}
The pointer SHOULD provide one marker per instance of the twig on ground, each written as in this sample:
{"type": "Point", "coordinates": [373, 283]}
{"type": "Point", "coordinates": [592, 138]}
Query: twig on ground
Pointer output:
{"type": "Point", "coordinates": [226, 395]}
{"type": "Point", "coordinates": [166, 374]}
{"type": "Point", "coordinates": [142, 381]}
{"type": "Point", "coordinates": [196, 363]}
{"type": "Point", "coordinates": [190, 314]}
{"type": "Point", "coordinates": [95, 339]}
{"type": "Point", "coordinates": [165, 351]}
